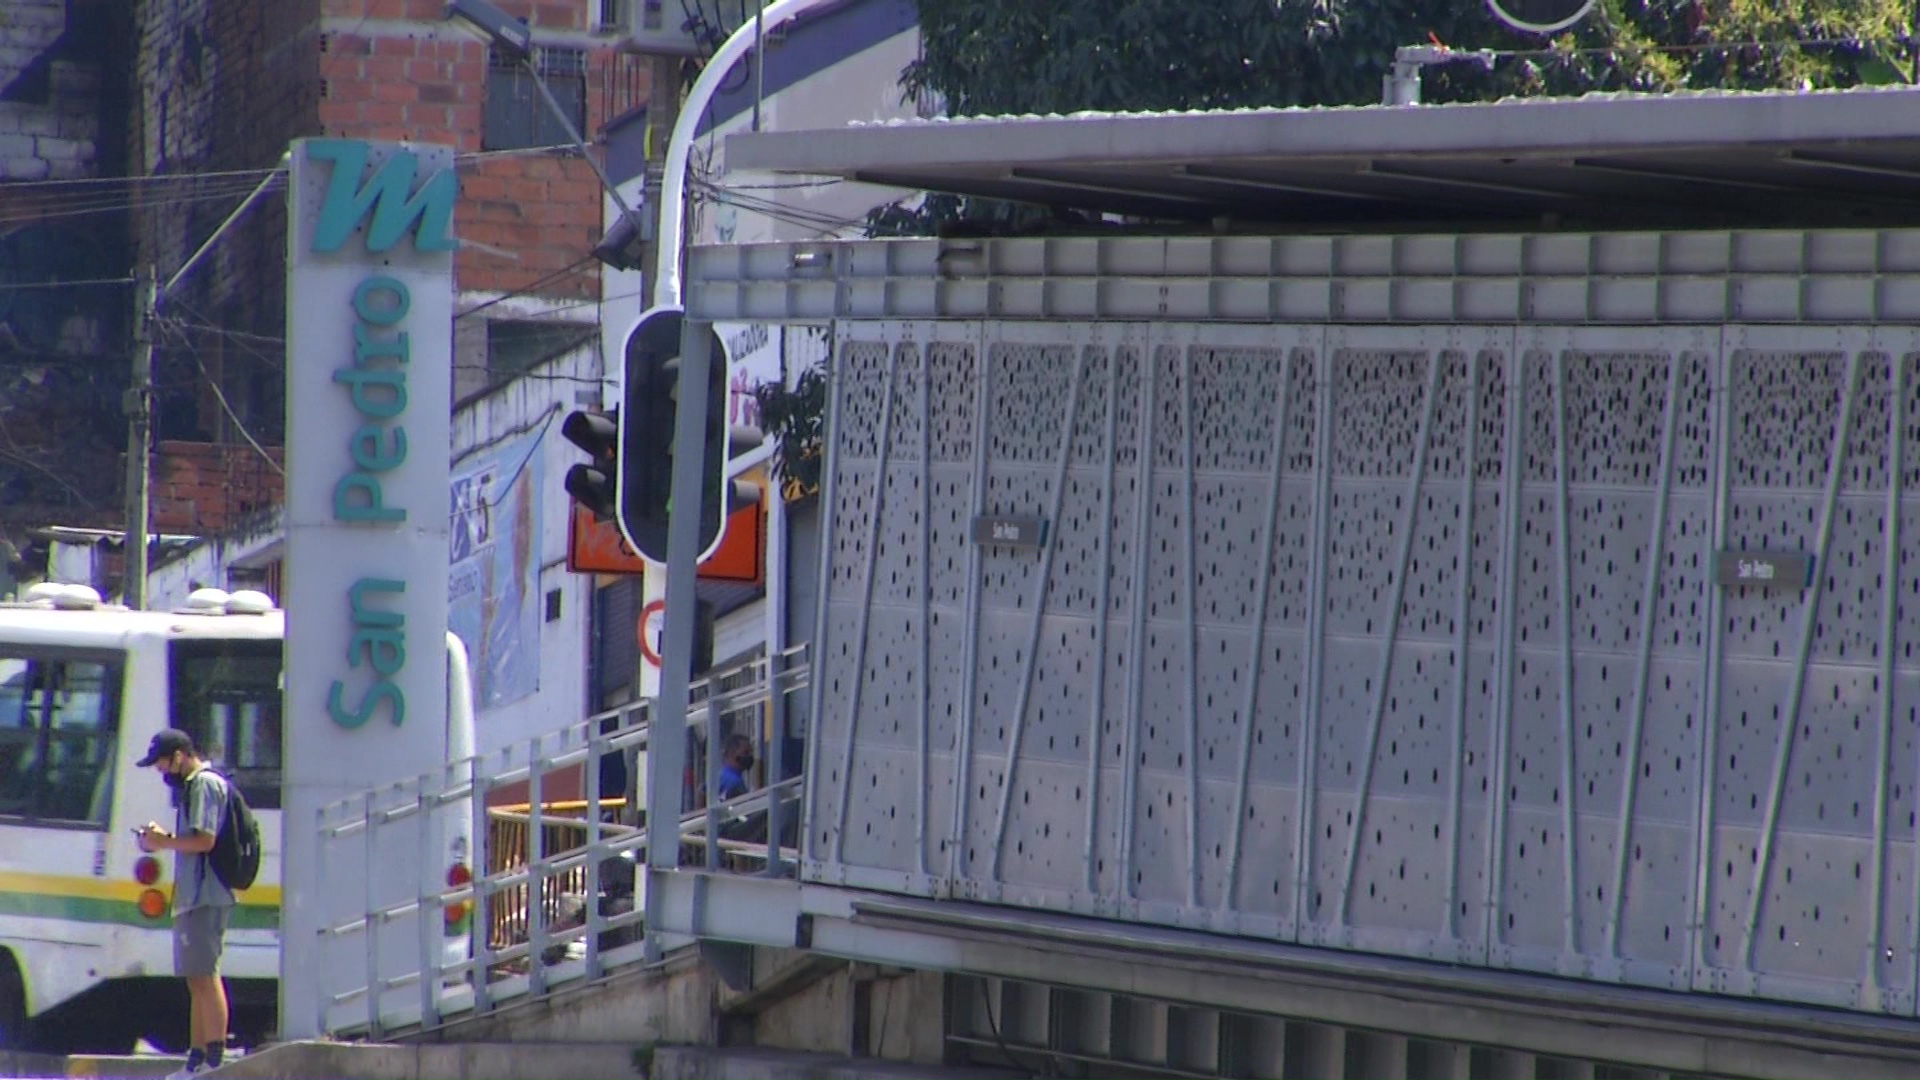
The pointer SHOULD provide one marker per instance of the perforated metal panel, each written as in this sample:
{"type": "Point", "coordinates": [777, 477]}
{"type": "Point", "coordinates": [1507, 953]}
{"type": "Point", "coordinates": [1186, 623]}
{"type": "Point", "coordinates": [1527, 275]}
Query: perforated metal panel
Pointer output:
{"type": "Point", "coordinates": [1400, 638]}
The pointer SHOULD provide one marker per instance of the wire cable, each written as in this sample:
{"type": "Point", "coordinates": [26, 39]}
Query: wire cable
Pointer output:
{"type": "Point", "coordinates": [31, 186]}
{"type": "Point", "coordinates": [68, 209]}
{"type": "Point", "coordinates": [545, 426]}
{"type": "Point", "coordinates": [546, 279]}
{"type": "Point", "coordinates": [5, 287]}
{"type": "Point", "coordinates": [226, 406]}
{"type": "Point", "coordinates": [238, 425]}
{"type": "Point", "coordinates": [113, 194]}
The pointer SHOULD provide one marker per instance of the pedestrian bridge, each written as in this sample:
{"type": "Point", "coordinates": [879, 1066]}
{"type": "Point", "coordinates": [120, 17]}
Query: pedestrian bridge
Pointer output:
{"type": "Point", "coordinates": [1516, 606]}
{"type": "Point", "coordinates": [1389, 632]}
{"type": "Point", "coordinates": [1386, 691]}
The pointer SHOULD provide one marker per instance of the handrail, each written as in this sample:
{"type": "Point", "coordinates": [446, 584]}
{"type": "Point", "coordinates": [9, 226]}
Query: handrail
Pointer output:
{"type": "Point", "coordinates": [543, 872]}
{"type": "Point", "coordinates": [692, 824]}
{"type": "Point", "coordinates": [568, 804]}
{"type": "Point", "coordinates": [574, 736]}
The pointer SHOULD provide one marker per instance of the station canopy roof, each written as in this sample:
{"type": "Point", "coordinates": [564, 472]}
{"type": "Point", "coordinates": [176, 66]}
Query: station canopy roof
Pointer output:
{"type": "Point", "coordinates": [1685, 160]}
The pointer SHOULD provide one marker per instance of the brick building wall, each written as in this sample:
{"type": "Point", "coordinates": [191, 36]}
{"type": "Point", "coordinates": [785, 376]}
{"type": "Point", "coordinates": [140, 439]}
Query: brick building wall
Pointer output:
{"type": "Point", "coordinates": [229, 83]}
{"type": "Point", "coordinates": [49, 96]}
{"type": "Point", "coordinates": [235, 481]}
{"type": "Point", "coordinates": [224, 84]}
{"type": "Point", "coordinates": [63, 351]}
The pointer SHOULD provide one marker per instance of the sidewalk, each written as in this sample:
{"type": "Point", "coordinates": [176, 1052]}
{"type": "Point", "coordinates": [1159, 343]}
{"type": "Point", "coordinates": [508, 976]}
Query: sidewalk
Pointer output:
{"type": "Point", "coordinates": [15, 1066]}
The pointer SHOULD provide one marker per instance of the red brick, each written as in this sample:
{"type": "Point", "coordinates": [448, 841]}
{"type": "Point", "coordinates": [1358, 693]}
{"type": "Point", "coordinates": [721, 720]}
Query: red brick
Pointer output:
{"type": "Point", "coordinates": [530, 237]}
{"type": "Point", "coordinates": [551, 213]}
{"type": "Point", "coordinates": [588, 200]}
{"type": "Point", "coordinates": [483, 187]}
{"type": "Point", "coordinates": [492, 233]}
{"type": "Point", "coordinates": [346, 88]}
{"type": "Point", "coordinates": [527, 190]}
{"type": "Point", "coordinates": [395, 91]}
{"type": "Point", "coordinates": [385, 69]}
{"type": "Point", "coordinates": [434, 122]}
{"type": "Point", "coordinates": [335, 113]}
{"type": "Point", "coordinates": [383, 112]}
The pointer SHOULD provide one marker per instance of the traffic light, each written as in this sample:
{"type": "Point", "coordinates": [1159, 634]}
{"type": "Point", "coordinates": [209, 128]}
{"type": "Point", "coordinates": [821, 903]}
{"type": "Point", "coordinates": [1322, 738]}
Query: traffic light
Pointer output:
{"type": "Point", "coordinates": [645, 474]}
{"type": "Point", "coordinates": [594, 484]}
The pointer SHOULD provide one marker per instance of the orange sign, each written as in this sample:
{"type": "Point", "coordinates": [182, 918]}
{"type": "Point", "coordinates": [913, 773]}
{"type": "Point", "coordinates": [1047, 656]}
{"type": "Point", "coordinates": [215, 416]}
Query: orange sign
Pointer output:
{"type": "Point", "coordinates": [596, 547]}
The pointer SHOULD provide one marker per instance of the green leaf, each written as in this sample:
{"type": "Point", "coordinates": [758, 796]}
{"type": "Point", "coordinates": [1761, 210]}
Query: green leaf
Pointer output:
{"type": "Point", "coordinates": [1878, 71]}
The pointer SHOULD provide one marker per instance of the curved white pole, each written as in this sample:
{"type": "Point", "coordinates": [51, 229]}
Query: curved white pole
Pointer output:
{"type": "Point", "coordinates": [673, 181]}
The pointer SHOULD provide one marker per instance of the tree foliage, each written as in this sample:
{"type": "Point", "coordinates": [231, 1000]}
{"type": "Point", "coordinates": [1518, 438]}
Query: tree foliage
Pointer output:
{"type": "Point", "coordinates": [993, 57]}
{"type": "Point", "coordinates": [795, 419]}
{"type": "Point", "coordinates": [1011, 57]}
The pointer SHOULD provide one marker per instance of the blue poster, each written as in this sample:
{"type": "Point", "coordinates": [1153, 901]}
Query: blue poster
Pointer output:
{"type": "Point", "coordinates": [493, 579]}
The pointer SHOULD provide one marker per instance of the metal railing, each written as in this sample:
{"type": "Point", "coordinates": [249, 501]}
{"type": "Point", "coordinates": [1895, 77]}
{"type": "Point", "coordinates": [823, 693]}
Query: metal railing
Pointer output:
{"type": "Point", "coordinates": [558, 894]}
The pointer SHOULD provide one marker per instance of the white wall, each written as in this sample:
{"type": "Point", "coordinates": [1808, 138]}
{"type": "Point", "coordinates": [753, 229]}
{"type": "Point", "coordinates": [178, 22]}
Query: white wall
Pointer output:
{"type": "Point", "coordinates": [541, 399]}
{"type": "Point", "coordinates": [211, 564]}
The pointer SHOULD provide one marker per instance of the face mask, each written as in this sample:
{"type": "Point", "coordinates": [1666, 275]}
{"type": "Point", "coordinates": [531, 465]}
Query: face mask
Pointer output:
{"type": "Point", "coordinates": [746, 762]}
{"type": "Point", "coordinates": [174, 780]}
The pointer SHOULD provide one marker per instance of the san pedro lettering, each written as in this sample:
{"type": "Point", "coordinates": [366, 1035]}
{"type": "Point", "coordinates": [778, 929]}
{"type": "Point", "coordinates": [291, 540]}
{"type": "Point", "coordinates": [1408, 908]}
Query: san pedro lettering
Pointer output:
{"type": "Point", "coordinates": [376, 381]}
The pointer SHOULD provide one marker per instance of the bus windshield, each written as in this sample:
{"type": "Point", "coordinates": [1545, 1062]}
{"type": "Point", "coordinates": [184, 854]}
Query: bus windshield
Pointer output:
{"type": "Point", "coordinates": [226, 694]}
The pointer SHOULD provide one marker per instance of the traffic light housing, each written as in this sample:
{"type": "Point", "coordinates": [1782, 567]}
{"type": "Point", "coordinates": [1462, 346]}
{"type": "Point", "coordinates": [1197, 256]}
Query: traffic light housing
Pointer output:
{"type": "Point", "coordinates": [594, 484]}
{"type": "Point", "coordinates": [649, 403]}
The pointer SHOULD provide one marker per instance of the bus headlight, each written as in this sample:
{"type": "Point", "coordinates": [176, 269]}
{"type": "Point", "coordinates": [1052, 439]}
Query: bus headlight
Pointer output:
{"type": "Point", "coordinates": [458, 913]}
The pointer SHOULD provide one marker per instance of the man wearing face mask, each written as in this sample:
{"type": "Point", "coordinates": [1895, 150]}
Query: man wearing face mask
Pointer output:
{"type": "Point", "coordinates": [201, 903]}
{"type": "Point", "coordinates": [736, 760]}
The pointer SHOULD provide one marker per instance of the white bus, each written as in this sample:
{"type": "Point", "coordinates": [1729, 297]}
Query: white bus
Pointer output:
{"type": "Point", "coordinates": [86, 954]}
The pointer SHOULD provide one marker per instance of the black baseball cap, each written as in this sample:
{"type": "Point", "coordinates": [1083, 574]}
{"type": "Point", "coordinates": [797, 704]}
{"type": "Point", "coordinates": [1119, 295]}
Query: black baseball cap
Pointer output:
{"type": "Point", "coordinates": [169, 741]}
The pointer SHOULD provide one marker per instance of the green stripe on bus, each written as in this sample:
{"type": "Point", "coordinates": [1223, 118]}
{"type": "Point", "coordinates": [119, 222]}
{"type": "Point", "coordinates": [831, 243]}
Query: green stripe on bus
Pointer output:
{"type": "Point", "coordinates": [92, 909]}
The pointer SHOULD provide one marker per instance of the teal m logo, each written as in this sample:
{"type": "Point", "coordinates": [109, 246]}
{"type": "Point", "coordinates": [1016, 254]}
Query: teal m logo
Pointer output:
{"type": "Point", "coordinates": [388, 193]}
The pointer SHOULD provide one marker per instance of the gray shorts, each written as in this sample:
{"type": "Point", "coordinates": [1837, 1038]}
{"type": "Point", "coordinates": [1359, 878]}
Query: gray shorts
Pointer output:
{"type": "Point", "coordinates": [199, 935]}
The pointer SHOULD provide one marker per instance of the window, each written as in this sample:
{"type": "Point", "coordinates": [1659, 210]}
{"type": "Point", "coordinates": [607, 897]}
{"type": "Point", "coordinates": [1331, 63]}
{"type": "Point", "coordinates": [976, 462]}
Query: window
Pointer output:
{"type": "Point", "coordinates": [58, 727]}
{"type": "Point", "coordinates": [226, 694]}
{"type": "Point", "coordinates": [515, 115]}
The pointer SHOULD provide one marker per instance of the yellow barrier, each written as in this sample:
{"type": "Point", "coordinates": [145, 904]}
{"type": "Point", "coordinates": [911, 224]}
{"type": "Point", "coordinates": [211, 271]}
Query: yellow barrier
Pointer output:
{"type": "Point", "coordinates": [563, 831]}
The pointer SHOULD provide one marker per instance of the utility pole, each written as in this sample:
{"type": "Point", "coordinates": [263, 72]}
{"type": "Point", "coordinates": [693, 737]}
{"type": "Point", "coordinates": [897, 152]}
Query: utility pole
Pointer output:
{"type": "Point", "coordinates": [139, 408]}
{"type": "Point", "coordinates": [663, 108]}
{"type": "Point", "coordinates": [663, 111]}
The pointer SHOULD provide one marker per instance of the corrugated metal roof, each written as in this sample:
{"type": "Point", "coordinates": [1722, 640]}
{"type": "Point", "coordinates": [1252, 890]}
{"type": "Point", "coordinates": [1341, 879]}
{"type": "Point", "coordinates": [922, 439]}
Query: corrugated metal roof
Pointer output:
{"type": "Point", "coordinates": [1711, 158]}
{"type": "Point", "coordinates": [1531, 101]}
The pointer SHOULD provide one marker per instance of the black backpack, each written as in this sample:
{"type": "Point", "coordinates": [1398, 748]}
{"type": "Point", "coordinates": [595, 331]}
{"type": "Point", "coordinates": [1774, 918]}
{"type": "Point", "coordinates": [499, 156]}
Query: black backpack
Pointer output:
{"type": "Point", "coordinates": [235, 857]}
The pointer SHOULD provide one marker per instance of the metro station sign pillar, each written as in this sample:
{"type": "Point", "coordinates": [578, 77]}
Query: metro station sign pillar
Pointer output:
{"type": "Point", "coordinates": [369, 397]}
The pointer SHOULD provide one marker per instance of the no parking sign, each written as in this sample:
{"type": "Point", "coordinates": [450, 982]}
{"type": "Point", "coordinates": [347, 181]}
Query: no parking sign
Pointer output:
{"type": "Point", "coordinates": [652, 618]}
